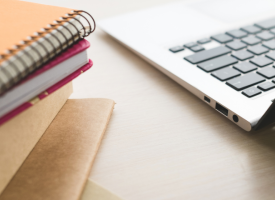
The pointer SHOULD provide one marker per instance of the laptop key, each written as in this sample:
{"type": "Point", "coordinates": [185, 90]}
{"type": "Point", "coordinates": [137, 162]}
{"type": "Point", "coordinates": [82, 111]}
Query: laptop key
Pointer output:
{"type": "Point", "coordinates": [190, 44]}
{"type": "Point", "coordinates": [197, 48]}
{"type": "Point", "coordinates": [176, 49]}
{"type": "Point", "coordinates": [251, 92]}
{"type": "Point", "coordinates": [237, 33]}
{"type": "Point", "coordinates": [271, 55]}
{"type": "Point", "coordinates": [245, 67]}
{"type": "Point", "coordinates": [265, 36]}
{"type": "Point", "coordinates": [266, 24]}
{"type": "Point", "coordinates": [222, 38]}
{"type": "Point", "coordinates": [242, 55]}
{"type": "Point", "coordinates": [269, 44]}
{"type": "Point", "coordinates": [272, 31]}
{"type": "Point", "coordinates": [266, 86]}
{"type": "Point", "coordinates": [267, 72]}
{"type": "Point", "coordinates": [251, 40]}
{"type": "Point", "coordinates": [226, 73]}
{"type": "Point", "coordinates": [261, 61]}
{"type": "Point", "coordinates": [236, 45]}
{"type": "Point", "coordinates": [251, 29]}
{"type": "Point", "coordinates": [257, 49]}
{"type": "Point", "coordinates": [207, 54]}
{"type": "Point", "coordinates": [245, 81]}
{"type": "Point", "coordinates": [204, 41]}
{"type": "Point", "coordinates": [217, 63]}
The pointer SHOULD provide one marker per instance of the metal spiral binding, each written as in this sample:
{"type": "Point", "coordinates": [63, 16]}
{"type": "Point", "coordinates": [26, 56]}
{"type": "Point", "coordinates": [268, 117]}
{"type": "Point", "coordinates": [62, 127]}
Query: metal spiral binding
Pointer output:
{"type": "Point", "coordinates": [22, 48]}
{"type": "Point", "coordinates": [34, 49]}
{"type": "Point", "coordinates": [50, 32]}
{"type": "Point", "coordinates": [35, 38]}
{"type": "Point", "coordinates": [54, 25]}
{"type": "Point", "coordinates": [90, 27]}
{"type": "Point", "coordinates": [6, 72]}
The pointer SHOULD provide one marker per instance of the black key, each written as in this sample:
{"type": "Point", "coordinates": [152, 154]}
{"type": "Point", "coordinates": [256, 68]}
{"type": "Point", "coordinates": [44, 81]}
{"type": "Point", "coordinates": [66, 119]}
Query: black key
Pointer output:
{"type": "Point", "coordinates": [197, 48]}
{"type": "Point", "coordinates": [245, 67]}
{"type": "Point", "coordinates": [217, 63]}
{"type": "Point", "coordinates": [251, 29]}
{"type": "Point", "coordinates": [265, 36]}
{"type": "Point", "coordinates": [267, 72]}
{"type": "Point", "coordinates": [271, 55]}
{"type": "Point", "coordinates": [261, 61]}
{"type": "Point", "coordinates": [258, 49]}
{"type": "Point", "coordinates": [207, 54]}
{"type": "Point", "coordinates": [176, 49]}
{"type": "Point", "coordinates": [272, 31]}
{"type": "Point", "coordinates": [222, 38]}
{"type": "Point", "coordinates": [204, 41]}
{"type": "Point", "coordinates": [266, 86]}
{"type": "Point", "coordinates": [266, 24]}
{"type": "Point", "coordinates": [269, 44]}
{"type": "Point", "coordinates": [236, 45]}
{"type": "Point", "coordinates": [226, 73]}
{"type": "Point", "coordinates": [237, 33]}
{"type": "Point", "coordinates": [242, 55]}
{"type": "Point", "coordinates": [245, 81]}
{"type": "Point", "coordinates": [190, 44]}
{"type": "Point", "coordinates": [251, 40]}
{"type": "Point", "coordinates": [251, 92]}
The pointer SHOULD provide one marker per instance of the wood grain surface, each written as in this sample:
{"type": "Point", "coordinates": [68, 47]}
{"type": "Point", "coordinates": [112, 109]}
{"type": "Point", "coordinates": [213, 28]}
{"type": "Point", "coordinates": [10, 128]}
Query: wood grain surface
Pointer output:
{"type": "Point", "coordinates": [162, 142]}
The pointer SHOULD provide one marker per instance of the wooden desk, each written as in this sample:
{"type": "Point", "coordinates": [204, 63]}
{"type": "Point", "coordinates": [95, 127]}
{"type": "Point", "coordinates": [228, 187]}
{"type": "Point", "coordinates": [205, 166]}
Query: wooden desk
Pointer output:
{"type": "Point", "coordinates": [163, 142]}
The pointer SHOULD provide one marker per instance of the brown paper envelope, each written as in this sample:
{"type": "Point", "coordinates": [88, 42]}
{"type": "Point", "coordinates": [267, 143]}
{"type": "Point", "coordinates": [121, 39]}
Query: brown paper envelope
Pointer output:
{"type": "Point", "coordinates": [59, 164]}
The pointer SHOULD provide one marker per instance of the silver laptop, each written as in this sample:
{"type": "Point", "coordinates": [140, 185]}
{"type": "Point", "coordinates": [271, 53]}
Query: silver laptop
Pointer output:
{"type": "Point", "coordinates": [223, 51]}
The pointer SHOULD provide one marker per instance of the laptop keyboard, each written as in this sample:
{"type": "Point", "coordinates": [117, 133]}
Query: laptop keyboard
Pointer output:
{"type": "Point", "coordinates": [244, 60]}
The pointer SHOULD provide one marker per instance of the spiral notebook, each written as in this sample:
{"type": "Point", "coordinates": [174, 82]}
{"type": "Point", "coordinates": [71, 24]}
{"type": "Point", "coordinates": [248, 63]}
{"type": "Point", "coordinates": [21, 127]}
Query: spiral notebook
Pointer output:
{"type": "Point", "coordinates": [46, 76]}
{"type": "Point", "coordinates": [32, 34]}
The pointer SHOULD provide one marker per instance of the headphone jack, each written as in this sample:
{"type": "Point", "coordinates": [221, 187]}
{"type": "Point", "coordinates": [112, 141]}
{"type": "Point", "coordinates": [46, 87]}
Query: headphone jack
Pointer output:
{"type": "Point", "coordinates": [235, 118]}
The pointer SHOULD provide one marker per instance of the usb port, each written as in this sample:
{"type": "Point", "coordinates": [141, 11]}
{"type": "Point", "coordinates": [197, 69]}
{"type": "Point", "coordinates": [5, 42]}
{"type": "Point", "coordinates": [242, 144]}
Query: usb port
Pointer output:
{"type": "Point", "coordinates": [207, 99]}
{"type": "Point", "coordinates": [221, 109]}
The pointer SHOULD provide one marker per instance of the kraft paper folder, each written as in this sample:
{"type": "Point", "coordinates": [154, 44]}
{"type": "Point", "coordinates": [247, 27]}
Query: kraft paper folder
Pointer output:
{"type": "Point", "coordinates": [58, 166]}
{"type": "Point", "coordinates": [19, 135]}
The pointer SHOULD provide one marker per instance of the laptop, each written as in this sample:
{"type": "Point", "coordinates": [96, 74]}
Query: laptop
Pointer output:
{"type": "Point", "coordinates": [223, 51]}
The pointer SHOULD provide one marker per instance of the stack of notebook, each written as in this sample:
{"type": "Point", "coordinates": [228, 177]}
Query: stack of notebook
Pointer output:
{"type": "Point", "coordinates": [42, 49]}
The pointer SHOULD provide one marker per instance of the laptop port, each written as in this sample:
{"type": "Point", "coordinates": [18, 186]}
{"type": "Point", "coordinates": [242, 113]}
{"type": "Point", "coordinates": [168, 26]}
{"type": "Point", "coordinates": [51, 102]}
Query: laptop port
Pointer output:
{"type": "Point", "coordinates": [221, 109]}
{"type": "Point", "coordinates": [235, 118]}
{"type": "Point", "coordinates": [207, 99]}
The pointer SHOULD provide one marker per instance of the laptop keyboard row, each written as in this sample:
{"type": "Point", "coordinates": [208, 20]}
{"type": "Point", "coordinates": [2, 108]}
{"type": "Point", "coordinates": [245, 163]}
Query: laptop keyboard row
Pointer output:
{"type": "Point", "coordinates": [244, 59]}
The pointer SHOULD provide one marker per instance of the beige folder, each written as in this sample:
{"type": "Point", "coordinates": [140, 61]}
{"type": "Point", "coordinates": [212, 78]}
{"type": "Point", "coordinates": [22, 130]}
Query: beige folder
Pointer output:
{"type": "Point", "coordinates": [59, 165]}
{"type": "Point", "coordinates": [19, 135]}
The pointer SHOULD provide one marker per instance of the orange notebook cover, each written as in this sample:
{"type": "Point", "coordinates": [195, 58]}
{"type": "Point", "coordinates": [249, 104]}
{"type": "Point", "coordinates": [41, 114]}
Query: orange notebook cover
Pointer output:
{"type": "Point", "coordinates": [46, 30]}
{"type": "Point", "coordinates": [21, 19]}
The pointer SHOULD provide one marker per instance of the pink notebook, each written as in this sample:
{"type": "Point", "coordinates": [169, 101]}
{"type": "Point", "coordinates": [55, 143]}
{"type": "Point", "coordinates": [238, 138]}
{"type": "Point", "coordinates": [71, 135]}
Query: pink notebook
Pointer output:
{"type": "Point", "coordinates": [46, 93]}
{"type": "Point", "coordinates": [75, 49]}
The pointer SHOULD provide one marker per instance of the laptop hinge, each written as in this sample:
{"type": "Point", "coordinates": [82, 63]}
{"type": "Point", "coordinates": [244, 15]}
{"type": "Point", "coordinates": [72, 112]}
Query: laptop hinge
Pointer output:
{"type": "Point", "coordinates": [267, 118]}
